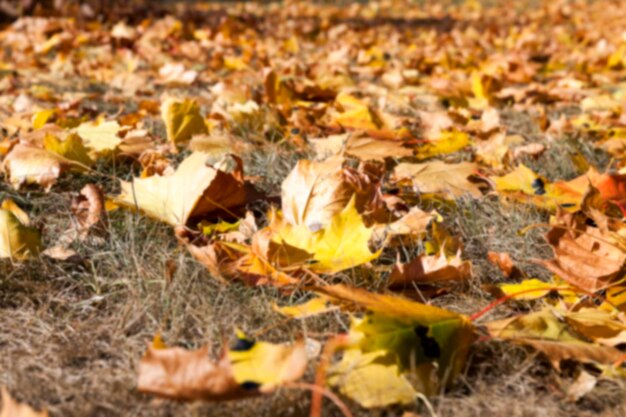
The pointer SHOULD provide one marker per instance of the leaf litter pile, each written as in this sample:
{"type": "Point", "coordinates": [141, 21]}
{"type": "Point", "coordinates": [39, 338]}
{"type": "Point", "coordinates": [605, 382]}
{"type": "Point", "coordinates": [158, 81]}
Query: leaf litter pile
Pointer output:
{"type": "Point", "coordinates": [384, 208]}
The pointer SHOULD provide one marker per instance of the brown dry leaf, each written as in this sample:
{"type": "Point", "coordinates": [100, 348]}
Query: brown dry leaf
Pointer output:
{"type": "Point", "coordinates": [438, 177]}
{"type": "Point", "coordinates": [557, 352]}
{"type": "Point", "coordinates": [154, 162]}
{"type": "Point", "coordinates": [584, 256]}
{"type": "Point", "coordinates": [11, 408]}
{"type": "Point", "coordinates": [503, 261]}
{"type": "Point", "coordinates": [89, 211]}
{"type": "Point", "coordinates": [187, 375]}
{"type": "Point", "coordinates": [434, 269]}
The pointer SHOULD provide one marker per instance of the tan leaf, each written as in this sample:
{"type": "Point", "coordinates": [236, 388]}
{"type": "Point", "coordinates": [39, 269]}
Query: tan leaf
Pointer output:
{"type": "Point", "coordinates": [414, 223]}
{"type": "Point", "coordinates": [188, 375]}
{"type": "Point", "coordinates": [30, 165]}
{"type": "Point", "coordinates": [314, 192]}
{"type": "Point", "coordinates": [438, 177]}
{"type": "Point", "coordinates": [546, 331]}
{"type": "Point", "coordinates": [362, 147]}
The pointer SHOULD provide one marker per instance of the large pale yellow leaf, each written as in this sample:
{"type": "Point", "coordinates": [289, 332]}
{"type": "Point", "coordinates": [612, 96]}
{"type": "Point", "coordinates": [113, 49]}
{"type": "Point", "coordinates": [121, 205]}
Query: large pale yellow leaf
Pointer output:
{"type": "Point", "coordinates": [30, 165]}
{"type": "Point", "coordinates": [182, 120]}
{"type": "Point", "coordinates": [437, 177]}
{"type": "Point", "coordinates": [193, 190]}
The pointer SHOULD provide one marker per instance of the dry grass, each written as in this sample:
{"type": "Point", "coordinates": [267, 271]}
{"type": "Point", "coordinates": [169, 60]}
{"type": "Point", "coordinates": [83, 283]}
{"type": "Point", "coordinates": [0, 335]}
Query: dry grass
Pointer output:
{"type": "Point", "coordinates": [71, 334]}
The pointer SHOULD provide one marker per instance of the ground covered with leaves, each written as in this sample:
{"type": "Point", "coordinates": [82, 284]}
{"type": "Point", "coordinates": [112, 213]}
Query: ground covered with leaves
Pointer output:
{"type": "Point", "coordinates": [381, 208]}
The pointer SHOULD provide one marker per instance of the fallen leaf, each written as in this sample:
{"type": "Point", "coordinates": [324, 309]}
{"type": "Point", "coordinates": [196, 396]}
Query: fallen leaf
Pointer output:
{"type": "Point", "coordinates": [195, 189]}
{"type": "Point", "coordinates": [437, 177]}
{"type": "Point", "coordinates": [584, 256]}
{"type": "Point", "coordinates": [546, 332]}
{"type": "Point", "coordinates": [89, 211]}
{"type": "Point", "coordinates": [414, 223]}
{"type": "Point", "coordinates": [249, 368]}
{"type": "Point", "coordinates": [447, 142]}
{"type": "Point", "coordinates": [31, 165]}
{"type": "Point", "coordinates": [428, 343]}
{"type": "Point", "coordinates": [182, 120]}
{"type": "Point", "coordinates": [101, 136]}
{"type": "Point", "coordinates": [343, 244]}
{"type": "Point", "coordinates": [583, 385]}
{"type": "Point", "coordinates": [503, 261]}
{"type": "Point", "coordinates": [430, 270]}
{"type": "Point", "coordinates": [313, 307]}
{"type": "Point", "coordinates": [18, 240]}
{"type": "Point", "coordinates": [371, 379]}
{"type": "Point", "coordinates": [314, 192]}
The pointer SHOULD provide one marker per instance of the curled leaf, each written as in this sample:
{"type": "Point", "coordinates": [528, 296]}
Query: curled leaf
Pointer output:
{"type": "Point", "coordinates": [193, 190]}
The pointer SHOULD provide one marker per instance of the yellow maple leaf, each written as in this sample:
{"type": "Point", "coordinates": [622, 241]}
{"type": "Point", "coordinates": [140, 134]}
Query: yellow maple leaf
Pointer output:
{"type": "Point", "coordinates": [266, 364]}
{"type": "Point", "coordinates": [341, 245]}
